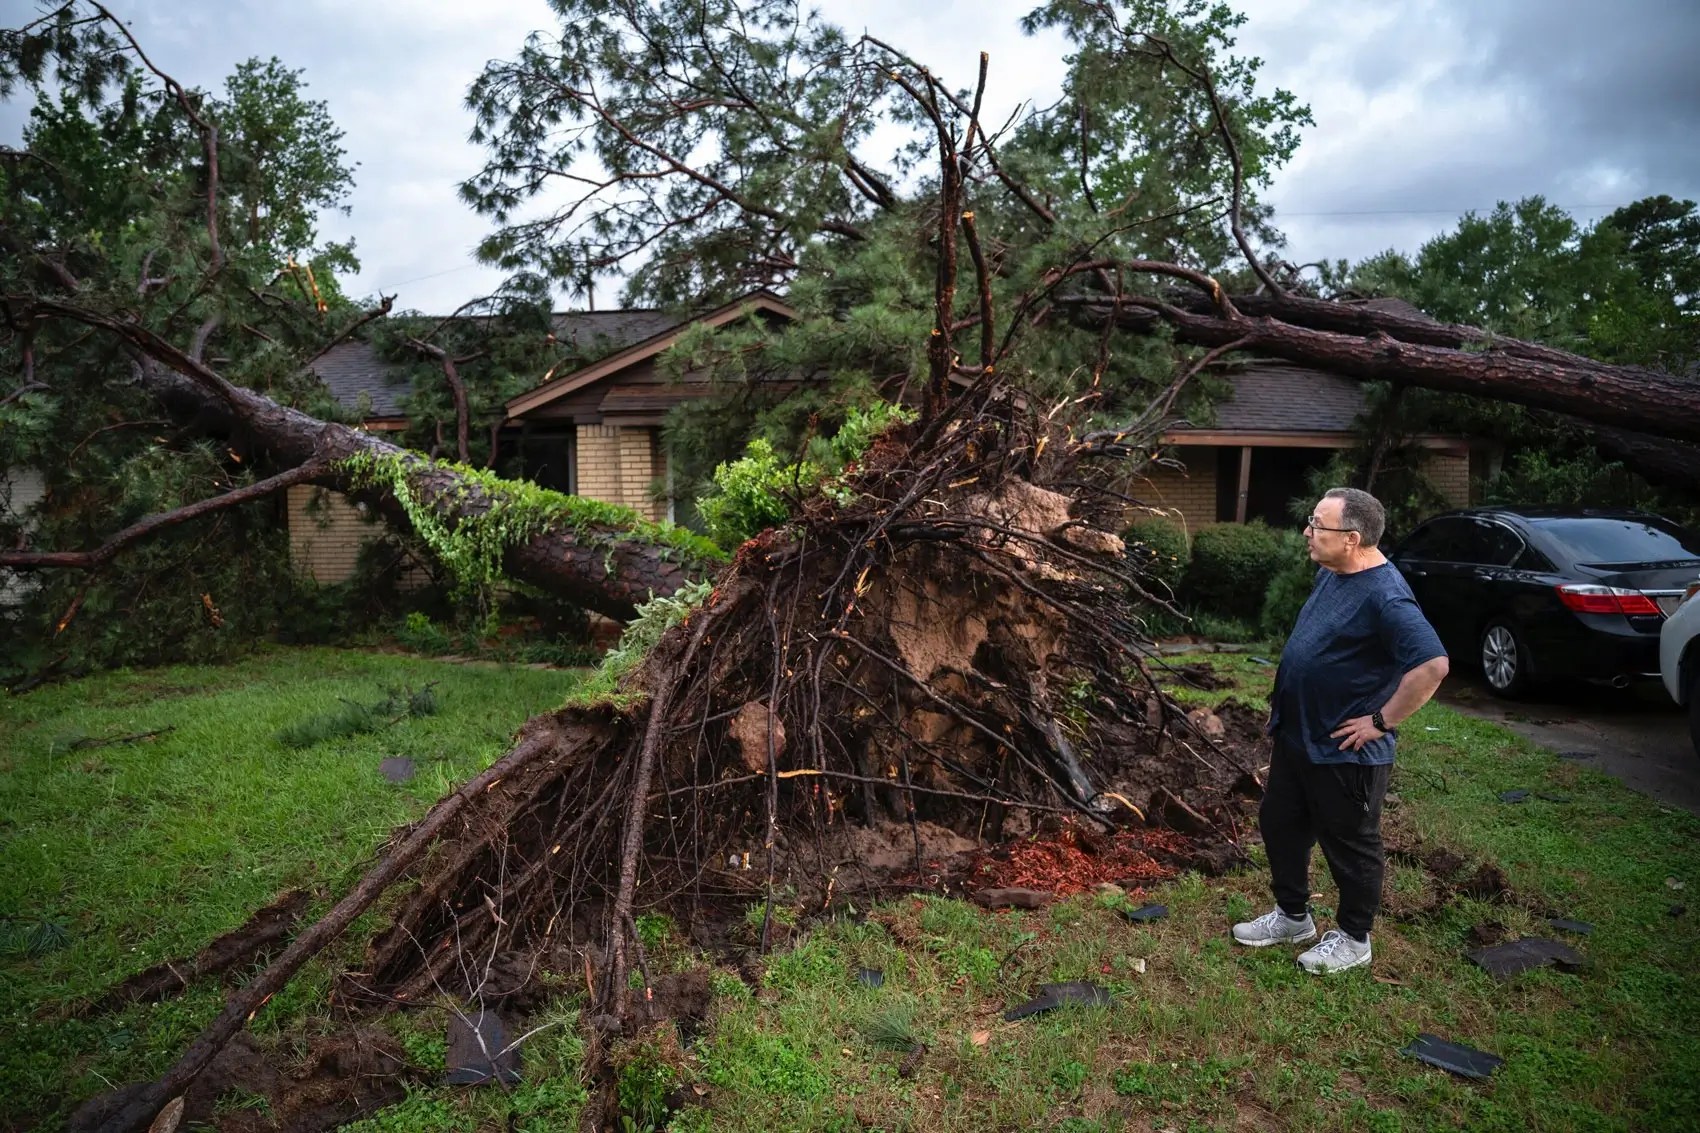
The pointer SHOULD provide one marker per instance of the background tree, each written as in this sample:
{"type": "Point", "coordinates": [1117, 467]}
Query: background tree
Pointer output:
{"type": "Point", "coordinates": [1623, 290]}
{"type": "Point", "coordinates": [113, 196]}
{"type": "Point", "coordinates": [695, 149]}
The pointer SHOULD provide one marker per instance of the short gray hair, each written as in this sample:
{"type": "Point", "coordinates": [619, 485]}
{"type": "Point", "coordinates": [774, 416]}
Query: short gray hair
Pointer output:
{"type": "Point", "coordinates": [1360, 512]}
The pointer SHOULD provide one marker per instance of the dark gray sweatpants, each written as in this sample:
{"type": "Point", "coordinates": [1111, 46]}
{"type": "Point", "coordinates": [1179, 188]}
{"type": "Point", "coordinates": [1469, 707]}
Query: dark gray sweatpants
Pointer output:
{"type": "Point", "coordinates": [1337, 805]}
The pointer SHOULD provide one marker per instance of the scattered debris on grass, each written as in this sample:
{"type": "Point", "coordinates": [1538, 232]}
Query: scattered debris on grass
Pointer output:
{"type": "Point", "coordinates": [1502, 961]}
{"type": "Point", "coordinates": [480, 1052]}
{"type": "Point", "coordinates": [351, 719]}
{"type": "Point", "coordinates": [1521, 794]}
{"type": "Point", "coordinates": [1455, 1058]}
{"type": "Point", "coordinates": [1053, 996]}
{"type": "Point", "coordinates": [1580, 928]}
{"type": "Point", "coordinates": [1146, 913]}
{"type": "Point", "coordinates": [397, 769]}
{"type": "Point", "coordinates": [31, 936]}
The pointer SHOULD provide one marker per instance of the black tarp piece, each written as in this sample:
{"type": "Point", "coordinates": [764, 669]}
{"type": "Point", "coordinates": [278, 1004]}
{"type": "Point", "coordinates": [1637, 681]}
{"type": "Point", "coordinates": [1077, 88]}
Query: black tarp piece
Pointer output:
{"type": "Point", "coordinates": [1146, 913]}
{"type": "Point", "coordinates": [397, 769]}
{"type": "Point", "coordinates": [1455, 1058]}
{"type": "Point", "coordinates": [1503, 961]}
{"type": "Point", "coordinates": [478, 1051]}
{"type": "Point", "coordinates": [1052, 996]}
{"type": "Point", "coordinates": [870, 977]}
{"type": "Point", "coordinates": [1580, 928]}
{"type": "Point", "coordinates": [1519, 795]}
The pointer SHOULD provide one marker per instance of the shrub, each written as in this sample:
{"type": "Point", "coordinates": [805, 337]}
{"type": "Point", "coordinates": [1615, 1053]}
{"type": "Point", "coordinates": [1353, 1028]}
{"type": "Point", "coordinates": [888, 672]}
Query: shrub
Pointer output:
{"type": "Point", "coordinates": [417, 633]}
{"type": "Point", "coordinates": [1157, 549]}
{"type": "Point", "coordinates": [1232, 566]}
{"type": "Point", "coordinates": [1286, 597]}
{"type": "Point", "coordinates": [756, 491]}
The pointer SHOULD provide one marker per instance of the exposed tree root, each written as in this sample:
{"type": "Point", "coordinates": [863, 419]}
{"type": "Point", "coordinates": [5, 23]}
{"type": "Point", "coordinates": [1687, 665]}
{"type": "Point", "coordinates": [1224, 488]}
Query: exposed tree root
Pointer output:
{"type": "Point", "coordinates": [951, 647]}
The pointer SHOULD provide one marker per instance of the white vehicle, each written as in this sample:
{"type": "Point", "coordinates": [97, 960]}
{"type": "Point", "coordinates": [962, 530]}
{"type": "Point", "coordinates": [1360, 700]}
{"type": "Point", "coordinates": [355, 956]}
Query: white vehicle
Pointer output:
{"type": "Point", "coordinates": [1679, 658]}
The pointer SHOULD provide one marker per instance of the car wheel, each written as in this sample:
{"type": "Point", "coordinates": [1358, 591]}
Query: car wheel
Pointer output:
{"type": "Point", "coordinates": [1505, 660]}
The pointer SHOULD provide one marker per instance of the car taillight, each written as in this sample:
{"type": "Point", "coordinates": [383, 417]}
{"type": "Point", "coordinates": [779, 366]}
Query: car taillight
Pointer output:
{"type": "Point", "coordinates": [1588, 599]}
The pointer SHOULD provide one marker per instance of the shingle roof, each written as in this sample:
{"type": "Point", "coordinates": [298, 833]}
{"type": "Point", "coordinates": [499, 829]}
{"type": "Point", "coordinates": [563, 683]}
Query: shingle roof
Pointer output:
{"type": "Point", "coordinates": [351, 370]}
{"type": "Point", "coordinates": [1272, 396]}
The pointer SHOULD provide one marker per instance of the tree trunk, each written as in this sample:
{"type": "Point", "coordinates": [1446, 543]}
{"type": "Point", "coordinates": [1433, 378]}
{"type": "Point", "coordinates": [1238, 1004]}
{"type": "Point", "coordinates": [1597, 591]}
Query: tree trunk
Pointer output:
{"type": "Point", "coordinates": [1642, 417]}
{"type": "Point", "coordinates": [603, 568]}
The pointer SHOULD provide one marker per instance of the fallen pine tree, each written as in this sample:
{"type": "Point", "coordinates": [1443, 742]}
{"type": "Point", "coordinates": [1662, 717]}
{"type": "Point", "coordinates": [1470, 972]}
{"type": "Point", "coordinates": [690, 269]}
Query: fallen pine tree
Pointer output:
{"type": "Point", "coordinates": [947, 644]}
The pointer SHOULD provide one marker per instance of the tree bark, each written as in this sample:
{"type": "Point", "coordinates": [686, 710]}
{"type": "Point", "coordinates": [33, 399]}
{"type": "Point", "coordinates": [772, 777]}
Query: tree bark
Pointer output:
{"type": "Point", "coordinates": [1381, 347]}
{"type": "Point", "coordinates": [602, 568]}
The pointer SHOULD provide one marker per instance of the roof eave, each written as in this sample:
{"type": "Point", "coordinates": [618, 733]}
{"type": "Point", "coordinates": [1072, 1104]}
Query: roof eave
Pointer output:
{"type": "Point", "coordinates": [556, 388]}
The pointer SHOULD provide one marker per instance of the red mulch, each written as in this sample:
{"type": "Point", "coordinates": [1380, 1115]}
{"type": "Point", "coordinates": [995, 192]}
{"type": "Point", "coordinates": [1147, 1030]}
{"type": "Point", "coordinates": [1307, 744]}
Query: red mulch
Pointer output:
{"type": "Point", "coordinates": [1073, 860]}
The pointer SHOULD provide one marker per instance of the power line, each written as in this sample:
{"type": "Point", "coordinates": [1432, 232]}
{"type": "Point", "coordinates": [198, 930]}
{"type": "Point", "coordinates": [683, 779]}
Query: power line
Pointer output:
{"type": "Point", "coordinates": [1280, 212]}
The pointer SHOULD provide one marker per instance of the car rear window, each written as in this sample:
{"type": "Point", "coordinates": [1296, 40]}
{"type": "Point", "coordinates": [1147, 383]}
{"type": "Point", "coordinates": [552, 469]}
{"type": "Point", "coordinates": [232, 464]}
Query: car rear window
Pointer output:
{"type": "Point", "coordinates": [1598, 539]}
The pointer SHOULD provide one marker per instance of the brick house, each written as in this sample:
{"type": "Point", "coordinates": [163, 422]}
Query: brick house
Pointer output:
{"type": "Point", "coordinates": [594, 431]}
{"type": "Point", "coordinates": [1282, 422]}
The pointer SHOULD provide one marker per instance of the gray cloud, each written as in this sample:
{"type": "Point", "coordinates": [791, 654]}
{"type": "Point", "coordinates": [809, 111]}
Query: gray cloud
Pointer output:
{"type": "Point", "coordinates": [1424, 108]}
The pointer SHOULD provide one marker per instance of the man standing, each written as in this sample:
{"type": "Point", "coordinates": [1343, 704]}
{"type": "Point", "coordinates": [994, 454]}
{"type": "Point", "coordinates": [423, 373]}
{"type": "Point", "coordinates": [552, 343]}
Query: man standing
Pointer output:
{"type": "Point", "coordinates": [1361, 659]}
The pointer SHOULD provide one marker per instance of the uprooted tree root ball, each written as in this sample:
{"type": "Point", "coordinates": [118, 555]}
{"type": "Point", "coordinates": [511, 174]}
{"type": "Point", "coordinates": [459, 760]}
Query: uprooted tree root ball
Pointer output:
{"type": "Point", "coordinates": [943, 652]}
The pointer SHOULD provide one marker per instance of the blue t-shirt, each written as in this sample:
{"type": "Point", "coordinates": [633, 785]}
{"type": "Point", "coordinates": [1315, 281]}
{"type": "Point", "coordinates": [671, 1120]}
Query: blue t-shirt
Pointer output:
{"type": "Point", "coordinates": [1356, 638]}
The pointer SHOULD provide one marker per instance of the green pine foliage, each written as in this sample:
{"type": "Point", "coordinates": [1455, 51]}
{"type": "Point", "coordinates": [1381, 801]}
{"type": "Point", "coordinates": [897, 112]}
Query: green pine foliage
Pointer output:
{"type": "Point", "coordinates": [351, 718]}
{"type": "Point", "coordinates": [117, 201]}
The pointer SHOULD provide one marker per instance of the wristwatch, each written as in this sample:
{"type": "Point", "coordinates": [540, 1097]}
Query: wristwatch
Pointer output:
{"type": "Point", "coordinates": [1380, 724]}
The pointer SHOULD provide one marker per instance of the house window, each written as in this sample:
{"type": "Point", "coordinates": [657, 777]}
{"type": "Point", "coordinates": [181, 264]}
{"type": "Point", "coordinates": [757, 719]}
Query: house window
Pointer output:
{"type": "Point", "coordinates": [547, 458]}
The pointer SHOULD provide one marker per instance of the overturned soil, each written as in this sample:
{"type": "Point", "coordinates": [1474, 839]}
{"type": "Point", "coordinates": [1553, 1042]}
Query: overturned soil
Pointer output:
{"type": "Point", "coordinates": [248, 1089]}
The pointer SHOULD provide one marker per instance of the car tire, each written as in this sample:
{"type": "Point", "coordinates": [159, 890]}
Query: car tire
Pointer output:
{"type": "Point", "coordinates": [1504, 658]}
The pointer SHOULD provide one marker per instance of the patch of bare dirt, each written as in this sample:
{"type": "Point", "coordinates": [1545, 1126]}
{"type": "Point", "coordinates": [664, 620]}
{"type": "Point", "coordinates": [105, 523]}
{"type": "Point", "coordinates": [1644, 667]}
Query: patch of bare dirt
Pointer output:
{"type": "Point", "coordinates": [247, 1089]}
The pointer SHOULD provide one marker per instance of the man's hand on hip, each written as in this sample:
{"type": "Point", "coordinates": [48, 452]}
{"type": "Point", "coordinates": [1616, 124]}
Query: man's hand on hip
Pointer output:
{"type": "Point", "coordinates": [1357, 732]}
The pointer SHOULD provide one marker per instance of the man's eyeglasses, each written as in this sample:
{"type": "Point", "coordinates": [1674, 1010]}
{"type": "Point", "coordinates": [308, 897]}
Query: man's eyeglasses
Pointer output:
{"type": "Point", "coordinates": [1315, 524]}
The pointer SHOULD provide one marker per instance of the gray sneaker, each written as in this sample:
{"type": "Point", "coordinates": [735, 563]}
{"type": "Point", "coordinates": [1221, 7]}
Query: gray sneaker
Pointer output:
{"type": "Point", "coordinates": [1275, 927]}
{"type": "Point", "coordinates": [1337, 952]}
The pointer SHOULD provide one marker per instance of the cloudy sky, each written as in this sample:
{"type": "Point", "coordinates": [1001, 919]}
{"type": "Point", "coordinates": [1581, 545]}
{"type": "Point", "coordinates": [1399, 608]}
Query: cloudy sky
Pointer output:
{"type": "Point", "coordinates": [1424, 108]}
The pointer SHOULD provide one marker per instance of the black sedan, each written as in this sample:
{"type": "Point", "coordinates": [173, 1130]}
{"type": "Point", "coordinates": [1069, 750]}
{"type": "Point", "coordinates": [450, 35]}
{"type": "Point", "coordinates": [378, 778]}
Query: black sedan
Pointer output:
{"type": "Point", "coordinates": [1538, 594]}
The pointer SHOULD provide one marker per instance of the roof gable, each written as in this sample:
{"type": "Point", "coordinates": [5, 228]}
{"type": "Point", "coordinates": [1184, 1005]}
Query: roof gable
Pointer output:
{"type": "Point", "coordinates": [644, 350]}
{"type": "Point", "coordinates": [354, 371]}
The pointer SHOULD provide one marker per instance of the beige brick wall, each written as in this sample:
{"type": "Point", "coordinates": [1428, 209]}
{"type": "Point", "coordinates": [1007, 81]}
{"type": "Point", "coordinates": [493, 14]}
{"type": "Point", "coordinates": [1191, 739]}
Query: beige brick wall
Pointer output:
{"type": "Point", "coordinates": [326, 532]}
{"type": "Point", "coordinates": [619, 463]}
{"type": "Point", "coordinates": [598, 461]}
{"type": "Point", "coordinates": [637, 470]}
{"type": "Point", "coordinates": [1192, 493]}
{"type": "Point", "coordinates": [1450, 474]}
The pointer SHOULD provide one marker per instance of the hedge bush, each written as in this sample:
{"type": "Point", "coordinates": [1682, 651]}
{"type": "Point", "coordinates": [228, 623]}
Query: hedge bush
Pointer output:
{"type": "Point", "coordinates": [1232, 566]}
{"type": "Point", "coordinates": [1157, 550]}
{"type": "Point", "coordinates": [1286, 597]}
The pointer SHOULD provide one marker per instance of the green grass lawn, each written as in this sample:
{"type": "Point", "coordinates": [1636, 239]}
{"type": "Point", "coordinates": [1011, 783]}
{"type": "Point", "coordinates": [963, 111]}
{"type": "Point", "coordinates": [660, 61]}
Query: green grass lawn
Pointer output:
{"type": "Point", "coordinates": [148, 850]}
{"type": "Point", "coordinates": [145, 851]}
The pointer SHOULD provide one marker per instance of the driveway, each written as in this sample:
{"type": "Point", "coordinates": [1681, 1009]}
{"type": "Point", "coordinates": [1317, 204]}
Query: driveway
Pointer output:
{"type": "Point", "coordinates": [1635, 734]}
